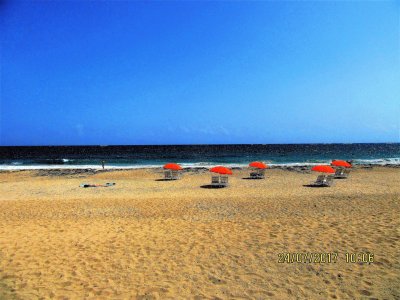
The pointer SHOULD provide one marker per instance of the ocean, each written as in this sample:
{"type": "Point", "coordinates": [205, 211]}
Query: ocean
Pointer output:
{"type": "Point", "coordinates": [58, 157]}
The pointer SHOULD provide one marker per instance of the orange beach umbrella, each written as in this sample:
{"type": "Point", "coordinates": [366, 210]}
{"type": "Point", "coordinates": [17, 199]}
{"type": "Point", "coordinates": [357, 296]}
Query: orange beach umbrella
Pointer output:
{"type": "Point", "coordinates": [221, 170]}
{"type": "Point", "coordinates": [340, 163]}
{"type": "Point", "coordinates": [258, 165]}
{"type": "Point", "coordinates": [172, 166]}
{"type": "Point", "coordinates": [323, 169]}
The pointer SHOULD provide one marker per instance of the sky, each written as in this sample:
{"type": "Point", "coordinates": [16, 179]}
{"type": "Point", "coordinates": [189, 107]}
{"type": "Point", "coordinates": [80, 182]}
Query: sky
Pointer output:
{"type": "Point", "coordinates": [192, 72]}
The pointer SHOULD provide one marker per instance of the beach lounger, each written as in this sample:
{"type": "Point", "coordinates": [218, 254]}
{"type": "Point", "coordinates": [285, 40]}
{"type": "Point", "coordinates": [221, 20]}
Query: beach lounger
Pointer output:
{"type": "Point", "coordinates": [224, 180]}
{"type": "Point", "coordinates": [176, 175]}
{"type": "Point", "coordinates": [168, 175]}
{"type": "Point", "coordinates": [320, 179]}
{"type": "Point", "coordinates": [172, 175]}
{"type": "Point", "coordinates": [323, 181]}
{"type": "Point", "coordinates": [257, 174]}
{"type": "Point", "coordinates": [329, 180]}
{"type": "Point", "coordinates": [342, 173]}
{"type": "Point", "coordinates": [219, 181]}
{"type": "Point", "coordinates": [215, 180]}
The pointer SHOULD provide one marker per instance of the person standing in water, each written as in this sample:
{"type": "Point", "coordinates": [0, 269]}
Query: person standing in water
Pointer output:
{"type": "Point", "coordinates": [102, 164]}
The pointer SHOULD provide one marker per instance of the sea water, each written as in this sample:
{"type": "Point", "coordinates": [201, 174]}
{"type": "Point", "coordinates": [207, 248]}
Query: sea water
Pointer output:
{"type": "Point", "coordinates": [57, 157]}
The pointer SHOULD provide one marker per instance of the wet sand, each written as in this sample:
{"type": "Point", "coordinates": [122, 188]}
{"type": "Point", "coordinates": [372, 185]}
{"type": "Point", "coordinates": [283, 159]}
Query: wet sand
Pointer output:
{"type": "Point", "coordinates": [150, 239]}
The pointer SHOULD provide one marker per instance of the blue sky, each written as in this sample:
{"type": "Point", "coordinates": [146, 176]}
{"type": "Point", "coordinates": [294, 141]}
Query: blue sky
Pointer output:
{"type": "Point", "coordinates": [111, 72]}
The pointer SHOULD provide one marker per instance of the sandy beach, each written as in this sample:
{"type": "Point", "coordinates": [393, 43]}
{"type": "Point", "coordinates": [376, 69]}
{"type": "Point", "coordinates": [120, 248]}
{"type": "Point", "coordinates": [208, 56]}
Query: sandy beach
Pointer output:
{"type": "Point", "coordinates": [150, 239]}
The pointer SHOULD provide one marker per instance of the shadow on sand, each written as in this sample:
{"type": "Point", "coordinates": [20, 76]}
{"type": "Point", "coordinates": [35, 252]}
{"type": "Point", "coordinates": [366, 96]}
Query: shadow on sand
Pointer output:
{"type": "Point", "coordinates": [314, 186]}
{"type": "Point", "coordinates": [163, 179]}
{"type": "Point", "coordinates": [251, 178]}
{"type": "Point", "coordinates": [209, 186]}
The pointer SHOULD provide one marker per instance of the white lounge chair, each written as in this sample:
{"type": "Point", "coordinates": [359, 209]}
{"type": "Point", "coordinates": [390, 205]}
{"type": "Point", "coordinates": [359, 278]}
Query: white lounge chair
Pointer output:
{"type": "Point", "coordinates": [257, 174]}
{"type": "Point", "coordinates": [329, 180]}
{"type": "Point", "coordinates": [224, 180]}
{"type": "Point", "coordinates": [323, 181]}
{"type": "Point", "coordinates": [342, 173]}
{"type": "Point", "coordinates": [219, 181]}
{"type": "Point", "coordinates": [172, 175]}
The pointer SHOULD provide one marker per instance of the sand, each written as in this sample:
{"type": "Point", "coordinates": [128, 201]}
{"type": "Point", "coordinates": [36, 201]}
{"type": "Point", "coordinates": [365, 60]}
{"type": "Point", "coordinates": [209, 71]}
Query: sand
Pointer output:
{"type": "Point", "coordinates": [149, 239]}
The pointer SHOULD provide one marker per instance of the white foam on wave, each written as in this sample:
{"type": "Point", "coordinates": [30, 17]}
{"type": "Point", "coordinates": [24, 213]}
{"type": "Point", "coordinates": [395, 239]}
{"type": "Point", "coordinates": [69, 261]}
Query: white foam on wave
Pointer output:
{"type": "Point", "coordinates": [54, 167]}
{"type": "Point", "coordinates": [97, 167]}
{"type": "Point", "coordinates": [17, 166]}
{"type": "Point", "coordinates": [299, 164]}
{"type": "Point", "coordinates": [211, 164]}
{"type": "Point", "coordinates": [379, 161]}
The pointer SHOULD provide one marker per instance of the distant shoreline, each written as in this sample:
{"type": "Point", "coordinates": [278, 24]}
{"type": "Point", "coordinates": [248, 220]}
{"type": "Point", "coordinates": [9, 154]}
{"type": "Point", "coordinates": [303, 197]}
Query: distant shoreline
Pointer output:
{"type": "Point", "coordinates": [92, 171]}
{"type": "Point", "coordinates": [287, 166]}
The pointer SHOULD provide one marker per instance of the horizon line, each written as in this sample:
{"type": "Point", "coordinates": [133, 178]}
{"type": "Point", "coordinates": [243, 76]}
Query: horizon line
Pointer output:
{"type": "Point", "coordinates": [223, 144]}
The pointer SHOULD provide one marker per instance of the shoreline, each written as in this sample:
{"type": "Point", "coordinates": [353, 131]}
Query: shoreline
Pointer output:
{"type": "Point", "coordinates": [91, 171]}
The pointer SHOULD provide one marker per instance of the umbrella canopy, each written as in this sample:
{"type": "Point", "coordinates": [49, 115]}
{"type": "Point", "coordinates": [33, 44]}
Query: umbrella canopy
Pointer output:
{"type": "Point", "coordinates": [221, 170]}
{"type": "Point", "coordinates": [258, 165]}
{"type": "Point", "coordinates": [323, 169]}
{"type": "Point", "coordinates": [340, 163]}
{"type": "Point", "coordinates": [172, 166]}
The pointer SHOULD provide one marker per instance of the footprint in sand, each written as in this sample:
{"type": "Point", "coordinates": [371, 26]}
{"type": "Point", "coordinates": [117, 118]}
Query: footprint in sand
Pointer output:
{"type": "Point", "coordinates": [368, 283]}
{"type": "Point", "coordinates": [216, 280]}
{"type": "Point", "coordinates": [365, 293]}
